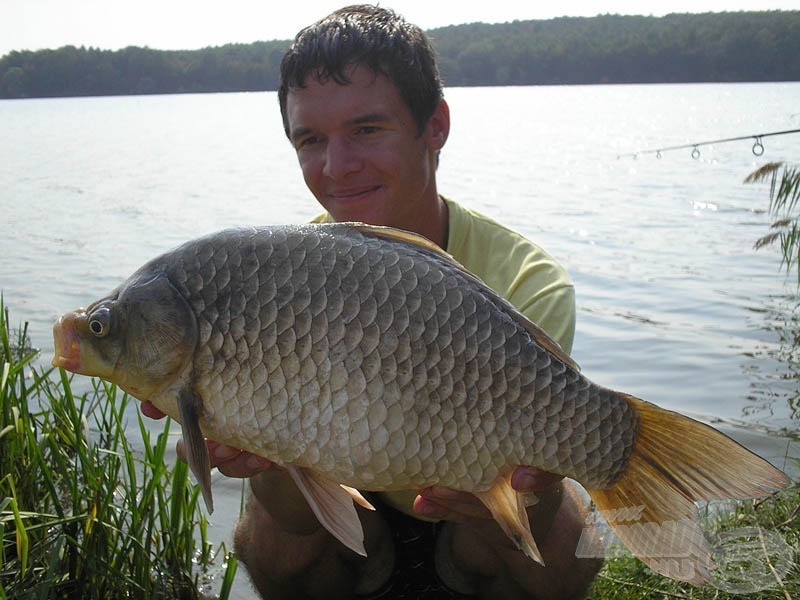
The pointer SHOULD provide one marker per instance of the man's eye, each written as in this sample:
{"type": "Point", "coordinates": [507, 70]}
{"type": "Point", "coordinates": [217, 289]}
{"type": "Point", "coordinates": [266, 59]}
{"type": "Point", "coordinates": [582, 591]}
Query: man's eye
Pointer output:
{"type": "Point", "coordinates": [368, 129]}
{"type": "Point", "coordinates": [307, 142]}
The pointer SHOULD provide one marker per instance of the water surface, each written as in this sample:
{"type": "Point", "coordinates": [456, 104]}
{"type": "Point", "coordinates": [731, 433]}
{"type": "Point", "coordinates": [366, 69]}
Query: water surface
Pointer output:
{"type": "Point", "coordinates": [674, 305]}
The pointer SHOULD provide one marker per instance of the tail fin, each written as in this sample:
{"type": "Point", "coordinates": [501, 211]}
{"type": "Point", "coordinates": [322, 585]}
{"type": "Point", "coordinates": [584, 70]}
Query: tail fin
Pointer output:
{"type": "Point", "coordinates": [675, 462]}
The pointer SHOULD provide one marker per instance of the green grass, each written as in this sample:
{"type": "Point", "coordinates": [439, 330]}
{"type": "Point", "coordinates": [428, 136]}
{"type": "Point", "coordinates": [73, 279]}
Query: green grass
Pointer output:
{"type": "Point", "coordinates": [83, 514]}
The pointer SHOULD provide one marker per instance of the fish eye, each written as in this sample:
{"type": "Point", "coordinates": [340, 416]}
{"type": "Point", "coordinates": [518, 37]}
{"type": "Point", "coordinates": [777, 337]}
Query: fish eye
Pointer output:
{"type": "Point", "coordinates": [100, 322]}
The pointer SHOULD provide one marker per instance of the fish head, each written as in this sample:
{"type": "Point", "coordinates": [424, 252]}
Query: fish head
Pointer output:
{"type": "Point", "coordinates": [140, 337]}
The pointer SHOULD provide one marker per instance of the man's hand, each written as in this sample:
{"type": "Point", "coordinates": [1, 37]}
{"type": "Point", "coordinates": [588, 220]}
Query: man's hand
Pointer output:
{"type": "Point", "coordinates": [149, 410]}
{"type": "Point", "coordinates": [230, 461]}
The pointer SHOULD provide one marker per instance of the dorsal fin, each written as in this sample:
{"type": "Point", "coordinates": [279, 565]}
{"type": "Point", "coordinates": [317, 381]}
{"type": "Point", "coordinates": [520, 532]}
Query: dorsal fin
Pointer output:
{"type": "Point", "coordinates": [539, 335]}
{"type": "Point", "coordinates": [400, 235]}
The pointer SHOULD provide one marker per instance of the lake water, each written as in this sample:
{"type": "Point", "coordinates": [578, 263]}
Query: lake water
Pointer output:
{"type": "Point", "coordinates": [674, 304]}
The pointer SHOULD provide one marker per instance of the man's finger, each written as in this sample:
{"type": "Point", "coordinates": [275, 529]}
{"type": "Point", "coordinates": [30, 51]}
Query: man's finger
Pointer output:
{"type": "Point", "coordinates": [443, 503]}
{"type": "Point", "coordinates": [149, 410]}
{"type": "Point", "coordinates": [529, 479]}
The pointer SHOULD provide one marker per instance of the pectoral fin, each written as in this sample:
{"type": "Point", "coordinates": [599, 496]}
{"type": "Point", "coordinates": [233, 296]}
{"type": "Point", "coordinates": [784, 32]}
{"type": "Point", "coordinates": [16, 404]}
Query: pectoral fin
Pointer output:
{"type": "Point", "coordinates": [508, 509]}
{"type": "Point", "coordinates": [190, 407]}
{"type": "Point", "coordinates": [333, 506]}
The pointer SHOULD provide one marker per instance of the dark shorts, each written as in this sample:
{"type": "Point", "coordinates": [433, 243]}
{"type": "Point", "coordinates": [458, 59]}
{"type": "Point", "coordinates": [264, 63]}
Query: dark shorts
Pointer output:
{"type": "Point", "coordinates": [414, 575]}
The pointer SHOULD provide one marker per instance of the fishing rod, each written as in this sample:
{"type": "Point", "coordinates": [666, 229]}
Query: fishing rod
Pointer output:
{"type": "Point", "coordinates": [758, 145]}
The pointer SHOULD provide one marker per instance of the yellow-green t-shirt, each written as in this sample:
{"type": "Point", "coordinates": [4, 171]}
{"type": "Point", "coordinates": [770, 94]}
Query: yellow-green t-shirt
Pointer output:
{"type": "Point", "coordinates": [517, 269]}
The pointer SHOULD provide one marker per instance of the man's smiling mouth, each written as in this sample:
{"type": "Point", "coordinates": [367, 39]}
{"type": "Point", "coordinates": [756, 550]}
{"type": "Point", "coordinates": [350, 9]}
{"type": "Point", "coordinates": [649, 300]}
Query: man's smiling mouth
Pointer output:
{"type": "Point", "coordinates": [354, 193]}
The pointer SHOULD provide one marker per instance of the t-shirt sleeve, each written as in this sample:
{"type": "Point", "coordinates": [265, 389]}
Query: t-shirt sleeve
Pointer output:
{"type": "Point", "coordinates": [553, 311]}
{"type": "Point", "coordinates": [528, 277]}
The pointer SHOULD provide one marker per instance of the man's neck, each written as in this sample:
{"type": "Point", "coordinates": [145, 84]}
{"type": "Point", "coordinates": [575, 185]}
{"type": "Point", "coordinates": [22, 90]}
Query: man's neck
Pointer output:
{"type": "Point", "coordinates": [434, 225]}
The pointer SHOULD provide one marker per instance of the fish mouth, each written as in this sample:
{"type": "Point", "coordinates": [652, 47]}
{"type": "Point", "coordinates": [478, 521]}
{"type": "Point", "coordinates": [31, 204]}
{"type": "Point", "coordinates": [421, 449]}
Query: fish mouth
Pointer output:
{"type": "Point", "coordinates": [67, 343]}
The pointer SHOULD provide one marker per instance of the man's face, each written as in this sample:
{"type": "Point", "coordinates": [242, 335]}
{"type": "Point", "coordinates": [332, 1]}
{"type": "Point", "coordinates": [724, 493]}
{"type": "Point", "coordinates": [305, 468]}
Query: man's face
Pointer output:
{"type": "Point", "coordinates": [360, 151]}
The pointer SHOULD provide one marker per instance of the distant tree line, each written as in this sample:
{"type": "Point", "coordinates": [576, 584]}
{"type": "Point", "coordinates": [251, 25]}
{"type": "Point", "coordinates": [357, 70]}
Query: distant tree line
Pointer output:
{"type": "Point", "coordinates": [678, 48]}
{"type": "Point", "coordinates": [71, 71]}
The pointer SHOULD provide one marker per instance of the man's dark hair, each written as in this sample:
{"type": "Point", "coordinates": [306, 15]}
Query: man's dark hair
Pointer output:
{"type": "Point", "coordinates": [371, 36]}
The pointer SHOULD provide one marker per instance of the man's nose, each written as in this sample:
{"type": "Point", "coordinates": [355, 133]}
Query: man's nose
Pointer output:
{"type": "Point", "coordinates": [341, 158]}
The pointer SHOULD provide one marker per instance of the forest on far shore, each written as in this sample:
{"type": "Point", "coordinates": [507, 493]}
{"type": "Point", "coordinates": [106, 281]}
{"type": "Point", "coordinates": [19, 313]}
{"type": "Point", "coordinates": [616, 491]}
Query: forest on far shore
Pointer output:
{"type": "Point", "coordinates": [677, 48]}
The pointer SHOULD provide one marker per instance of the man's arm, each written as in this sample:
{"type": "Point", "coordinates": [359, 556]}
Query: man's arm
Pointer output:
{"type": "Point", "coordinates": [475, 556]}
{"type": "Point", "coordinates": [288, 554]}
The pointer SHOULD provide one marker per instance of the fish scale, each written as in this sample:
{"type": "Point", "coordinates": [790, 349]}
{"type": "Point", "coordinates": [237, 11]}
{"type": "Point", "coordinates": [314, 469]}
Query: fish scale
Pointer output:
{"type": "Point", "coordinates": [368, 357]}
{"type": "Point", "coordinates": [286, 316]}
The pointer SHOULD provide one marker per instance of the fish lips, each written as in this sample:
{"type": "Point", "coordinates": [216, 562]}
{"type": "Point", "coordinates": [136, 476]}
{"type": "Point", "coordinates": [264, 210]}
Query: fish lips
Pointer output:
{"type": "Point", "coordinates": [67, 342]}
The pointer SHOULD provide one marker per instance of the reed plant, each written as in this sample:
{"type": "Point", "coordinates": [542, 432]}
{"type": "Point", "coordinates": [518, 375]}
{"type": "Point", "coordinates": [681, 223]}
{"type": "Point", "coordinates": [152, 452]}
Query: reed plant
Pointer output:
{"type": "Point", "coordinates": [82, 513]}
{"type": "Point", "coordinates": [784, 208]}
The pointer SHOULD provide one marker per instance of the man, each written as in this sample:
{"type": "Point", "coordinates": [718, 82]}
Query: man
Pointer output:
{"type": "Point", "coordinates": [362, 104]}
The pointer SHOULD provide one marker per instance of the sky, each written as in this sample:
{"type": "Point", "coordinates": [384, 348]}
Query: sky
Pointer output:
{"type": "Point", "coordinates": [192, 24]}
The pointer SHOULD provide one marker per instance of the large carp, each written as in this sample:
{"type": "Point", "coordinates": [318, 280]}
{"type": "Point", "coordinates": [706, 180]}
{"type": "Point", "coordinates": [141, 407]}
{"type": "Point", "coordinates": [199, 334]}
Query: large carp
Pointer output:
{"type": "Point", "coordinates": [365, 357]}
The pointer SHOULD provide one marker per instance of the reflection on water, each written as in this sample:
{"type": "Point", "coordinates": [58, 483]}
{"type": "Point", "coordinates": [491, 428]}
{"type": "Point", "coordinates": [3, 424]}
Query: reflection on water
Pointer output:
{"type": "Point", "coordinates": [775, 373]}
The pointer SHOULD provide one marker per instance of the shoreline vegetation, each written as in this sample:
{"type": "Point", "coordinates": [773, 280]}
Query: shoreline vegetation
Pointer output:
{"type": "Point", "coordinates": [752, 46]}
{"type": "Point", "coordinates": [85, 514]}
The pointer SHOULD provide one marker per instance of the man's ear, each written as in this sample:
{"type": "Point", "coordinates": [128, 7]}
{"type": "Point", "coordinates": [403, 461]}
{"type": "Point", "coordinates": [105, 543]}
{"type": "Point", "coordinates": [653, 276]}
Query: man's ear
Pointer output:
{"type": "Point", "coordinates": [440, 125]}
